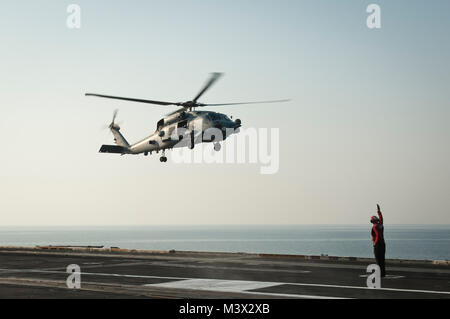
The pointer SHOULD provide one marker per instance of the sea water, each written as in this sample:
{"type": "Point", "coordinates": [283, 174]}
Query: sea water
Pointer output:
{"type": "Point", "coordinates": [422, 242]}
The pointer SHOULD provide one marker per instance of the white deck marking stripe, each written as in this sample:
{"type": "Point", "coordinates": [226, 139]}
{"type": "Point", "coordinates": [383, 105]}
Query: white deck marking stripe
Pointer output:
{"type": "Point", "coordinates": [234, 286]}
{"type": "Point", "coordinates": [278, 283]}
{"type": "Point", "coordinates": [387, 277]}
{"type": "Point", "coordinates": [230, 268]}
{"type": "Point", "coordinates": [366, 288]}
{"type": "Point", "coordinates": [291, 295]}
{"type": "Point", "coordinates": [215, 285]}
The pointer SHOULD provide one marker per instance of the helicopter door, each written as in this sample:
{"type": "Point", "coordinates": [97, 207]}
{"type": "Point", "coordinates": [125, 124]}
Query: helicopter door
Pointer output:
{"type": "Point", "coordinates": [169, 133]}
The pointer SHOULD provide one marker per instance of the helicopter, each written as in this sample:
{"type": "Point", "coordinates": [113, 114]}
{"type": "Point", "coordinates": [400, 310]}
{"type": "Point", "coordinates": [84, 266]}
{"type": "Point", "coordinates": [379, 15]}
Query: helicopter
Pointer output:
{"type": "Point", "coordinates": [184, 127]}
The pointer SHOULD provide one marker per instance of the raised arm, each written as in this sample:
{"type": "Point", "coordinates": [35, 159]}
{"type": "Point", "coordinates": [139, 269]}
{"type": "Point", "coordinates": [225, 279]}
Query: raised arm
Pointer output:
{"type": "Point", "coordinates": [380, 216]}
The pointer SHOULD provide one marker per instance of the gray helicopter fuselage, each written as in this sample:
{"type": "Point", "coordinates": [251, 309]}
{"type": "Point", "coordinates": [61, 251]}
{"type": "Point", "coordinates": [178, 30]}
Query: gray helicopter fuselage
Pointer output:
{"type": "Point", "coordinates": [177, 130]}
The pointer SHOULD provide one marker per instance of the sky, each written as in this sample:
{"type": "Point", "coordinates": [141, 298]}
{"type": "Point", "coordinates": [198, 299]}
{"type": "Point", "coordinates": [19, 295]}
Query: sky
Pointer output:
{"type": "Point", "coordinates": [367, 122]}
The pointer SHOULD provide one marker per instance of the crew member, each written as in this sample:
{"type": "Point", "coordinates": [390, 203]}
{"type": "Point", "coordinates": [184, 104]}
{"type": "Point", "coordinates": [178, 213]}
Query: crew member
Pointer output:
{"type": "Point", "coordinates": [378, 240]}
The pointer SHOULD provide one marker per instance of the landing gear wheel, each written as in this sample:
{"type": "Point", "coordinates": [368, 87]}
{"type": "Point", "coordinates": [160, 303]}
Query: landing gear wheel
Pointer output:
{"type": "Point", "coordinates": [217, 147]}
{"type": "Point", "coordinates": [163, 158]}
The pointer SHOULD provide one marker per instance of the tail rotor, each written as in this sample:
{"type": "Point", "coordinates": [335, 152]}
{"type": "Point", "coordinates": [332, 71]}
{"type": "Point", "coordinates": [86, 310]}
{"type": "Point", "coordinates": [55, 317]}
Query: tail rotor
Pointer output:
{"type": "Point", "coordinates": [113, 124]}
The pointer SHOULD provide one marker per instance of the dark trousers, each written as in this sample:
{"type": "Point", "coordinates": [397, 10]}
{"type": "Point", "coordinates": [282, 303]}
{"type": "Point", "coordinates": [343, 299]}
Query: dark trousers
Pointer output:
{"type": "Point", "coordinates": [380, 252]}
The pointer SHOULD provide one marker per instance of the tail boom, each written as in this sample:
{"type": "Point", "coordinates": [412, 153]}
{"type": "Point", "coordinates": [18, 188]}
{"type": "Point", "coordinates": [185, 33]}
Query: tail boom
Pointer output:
{"type": "Point", "coordinates": [113, 149]}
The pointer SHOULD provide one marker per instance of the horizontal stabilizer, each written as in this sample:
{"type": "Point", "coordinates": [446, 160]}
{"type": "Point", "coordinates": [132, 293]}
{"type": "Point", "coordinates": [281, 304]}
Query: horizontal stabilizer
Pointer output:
{"type": "Point", "coordinates": [114, 149]}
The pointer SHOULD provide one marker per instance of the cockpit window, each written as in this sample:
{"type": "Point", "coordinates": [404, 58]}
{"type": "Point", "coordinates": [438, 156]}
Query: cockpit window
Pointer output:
{"type": "Point", "coordinates": [215, 116]}
{"type": "Point", "coordinates": [160, 125]}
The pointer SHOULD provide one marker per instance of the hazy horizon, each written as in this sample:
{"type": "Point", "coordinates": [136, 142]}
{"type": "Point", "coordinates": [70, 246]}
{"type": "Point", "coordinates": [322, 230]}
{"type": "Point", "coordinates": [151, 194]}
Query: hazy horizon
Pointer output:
{"type": "Point", "coordinates": [215, 225]}
{"type": "Point", "coordinates": [405, 242]}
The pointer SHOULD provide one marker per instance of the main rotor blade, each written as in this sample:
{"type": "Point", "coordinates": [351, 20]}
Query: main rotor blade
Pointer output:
{"type": "Point", "coordinates": [132, 99]}
{"type": "Point", "coordinates": [242, 103]}
{"type": "Point", "coordinates": [214, 77]}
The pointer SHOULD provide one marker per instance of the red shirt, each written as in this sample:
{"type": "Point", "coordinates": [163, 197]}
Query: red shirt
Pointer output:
{"type": "Point", "coordinates": [378, 231]}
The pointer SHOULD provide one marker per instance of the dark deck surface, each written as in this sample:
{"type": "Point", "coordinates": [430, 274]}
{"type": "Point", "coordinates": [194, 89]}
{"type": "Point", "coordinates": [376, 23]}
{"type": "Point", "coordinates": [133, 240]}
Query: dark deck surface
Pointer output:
{"type": "Point", "coordinates": [40, 274]}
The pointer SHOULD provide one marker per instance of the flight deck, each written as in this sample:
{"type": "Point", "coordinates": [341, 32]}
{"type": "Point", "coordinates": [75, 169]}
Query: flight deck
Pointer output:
{"type": "Point", "coordinates": [41, 272]}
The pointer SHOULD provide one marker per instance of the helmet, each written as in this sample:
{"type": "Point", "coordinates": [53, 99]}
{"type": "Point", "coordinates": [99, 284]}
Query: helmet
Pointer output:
{"type": "Point", "coordinates": [374, 220]}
